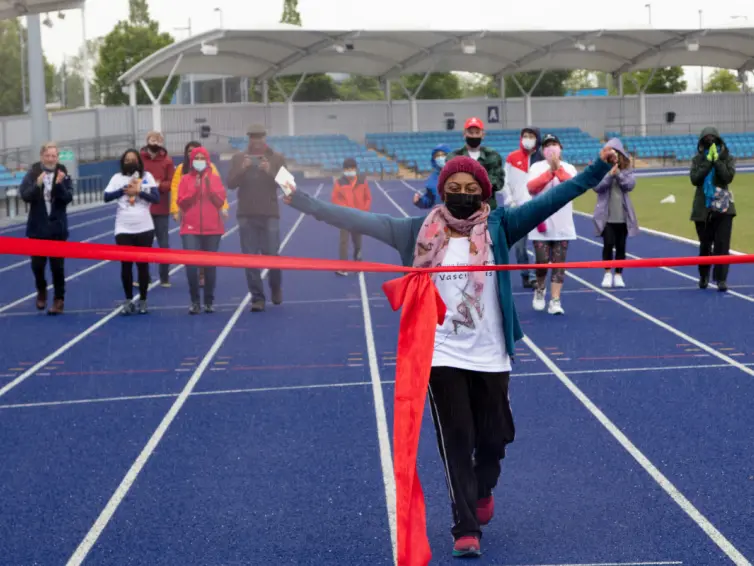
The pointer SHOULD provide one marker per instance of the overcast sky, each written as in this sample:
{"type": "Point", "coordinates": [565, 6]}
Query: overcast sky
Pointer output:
{"type": "Point", "coordinates": [64, 38]}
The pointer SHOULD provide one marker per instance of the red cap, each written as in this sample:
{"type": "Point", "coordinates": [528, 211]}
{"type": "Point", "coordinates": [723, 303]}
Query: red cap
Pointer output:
{"type": "Point", "coordinates": [473, 123]}
{"type": "Point", "coordinates": [465, 164]}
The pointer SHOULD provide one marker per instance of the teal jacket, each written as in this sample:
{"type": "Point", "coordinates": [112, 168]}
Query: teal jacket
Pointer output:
{"type": "Point", "coordinates": [506, 227]}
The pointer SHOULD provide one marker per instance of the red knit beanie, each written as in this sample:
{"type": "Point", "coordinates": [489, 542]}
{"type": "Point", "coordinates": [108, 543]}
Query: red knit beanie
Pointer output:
{"type": "Point", "coordinates": [464, 164]}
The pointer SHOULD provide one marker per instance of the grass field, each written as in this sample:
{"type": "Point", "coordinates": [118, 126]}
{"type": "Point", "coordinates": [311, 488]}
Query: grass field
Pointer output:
{"type": "Point", "coordinates": [674, 218]}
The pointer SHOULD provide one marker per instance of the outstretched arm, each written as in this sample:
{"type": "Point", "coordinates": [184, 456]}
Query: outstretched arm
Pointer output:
{"type": "Point", "coordinates": [387, 229]}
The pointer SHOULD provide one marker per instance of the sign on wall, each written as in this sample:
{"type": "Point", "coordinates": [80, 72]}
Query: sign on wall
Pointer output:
{"type": "Point", "coordinates": [67, 157]}
{"type": "Point", "coordinates": [493, 114]}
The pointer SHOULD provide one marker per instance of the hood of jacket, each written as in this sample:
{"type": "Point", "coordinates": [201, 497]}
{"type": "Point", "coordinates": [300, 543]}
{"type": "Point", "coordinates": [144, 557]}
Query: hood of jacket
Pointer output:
{"type": "Point", "coordinates": [710, 131]}
{"type": "Point", "coordinates": [617, 145]}
{"type": "Point", "coordinates": [536, 155]}
{"type": "Point", "coordinates": [199, 151]}
{"type": "Point", "coordinates": [440, 147]}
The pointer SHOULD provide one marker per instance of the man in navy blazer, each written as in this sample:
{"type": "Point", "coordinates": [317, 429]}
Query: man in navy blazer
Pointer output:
{"type": "Point", "coordinates": [48, 189]}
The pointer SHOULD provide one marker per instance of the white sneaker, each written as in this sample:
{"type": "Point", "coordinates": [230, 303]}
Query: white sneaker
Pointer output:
{"type": "Point", "coordinates": [539, 300]}
{"type": "Point", "coordinates": [555, 307]}
{"type": "Point", "coordinates": [607, 280]}
{"type": "Point", "coordinates": [618, 281]}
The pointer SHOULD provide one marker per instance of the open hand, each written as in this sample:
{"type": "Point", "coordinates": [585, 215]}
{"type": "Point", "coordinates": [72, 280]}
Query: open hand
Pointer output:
{"type": "Point", "coordinates": [132, 190]}
{"type": "Point", "coordinates": [417, 197]}
{"type": "Point", "coordinates": [41, 180]}
{"type": "Point", "coordinates": [59, 177]}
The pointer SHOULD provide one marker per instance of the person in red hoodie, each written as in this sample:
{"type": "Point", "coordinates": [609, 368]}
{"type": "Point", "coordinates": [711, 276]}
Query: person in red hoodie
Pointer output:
{"type": "Point", "coordinates": [201, 196]}
{"type": "Point", "coordinates": [160, 165]}
{"type": "Point", "coordinates": [351, 190]}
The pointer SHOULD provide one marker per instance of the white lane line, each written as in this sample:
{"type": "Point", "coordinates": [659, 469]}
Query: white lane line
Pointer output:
{"type": "Point", "coordinates": [26, 261]}
{"type": "Point", "coordinates": [77, 274]}
{"type": "Point", "coordinates": [716, 536]}
{"type": "Point", "coordinates": [79, 337]}
{"type": "Point", "coordinates": [73, 214]}
{"type": "Point", "coordinates": [612, 564]}
{"type": "Point", "coordinates": [125, 485]}
{"type": "Point", "coordinates": [730, 292]}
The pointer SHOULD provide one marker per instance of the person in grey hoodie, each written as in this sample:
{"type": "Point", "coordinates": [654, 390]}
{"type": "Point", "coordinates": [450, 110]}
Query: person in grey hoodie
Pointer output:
{"type": "Point", "coordinates": [614, 215]}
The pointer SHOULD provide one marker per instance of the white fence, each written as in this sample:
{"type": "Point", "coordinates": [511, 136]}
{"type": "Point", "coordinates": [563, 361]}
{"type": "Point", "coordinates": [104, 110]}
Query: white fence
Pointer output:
{"type": "Point", "coordinates": [96, 131]}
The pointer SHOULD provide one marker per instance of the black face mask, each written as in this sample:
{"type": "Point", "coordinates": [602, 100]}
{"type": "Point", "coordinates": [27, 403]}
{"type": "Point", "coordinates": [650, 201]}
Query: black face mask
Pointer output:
{"type": "Point", "coordinates": [154, 148]}
{"type": "Point", "coordinates": [130, 168]}
{"type": "Point", "coordinates": [461, 205]}
{"type": "Point", "coordinates": [473, 142]}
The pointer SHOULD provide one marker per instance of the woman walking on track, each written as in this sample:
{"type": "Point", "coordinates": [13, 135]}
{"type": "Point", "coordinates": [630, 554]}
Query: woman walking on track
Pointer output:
{"type": "Point", "coordinates": [473, 348]}
{"type": "Point", "coordinates": [550, 238]}
{"type": "Point", "coordinates": [135, 191]}
{"type": "Point", "coordinates": [614, 215]}
{"type": "Point", "coordinates": [201, 197]}
{"type": "Point", "coordinates": [182, 167]}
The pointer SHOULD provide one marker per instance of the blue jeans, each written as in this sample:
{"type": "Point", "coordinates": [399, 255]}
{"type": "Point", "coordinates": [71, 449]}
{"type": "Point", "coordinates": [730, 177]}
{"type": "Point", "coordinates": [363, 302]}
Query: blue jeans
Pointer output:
{"type": "Point", "coordinates": [260, 235]}
{"type": "Point", "coordinates": [522, 257]}
{"type": "Point", "coordinates": [201, 243]}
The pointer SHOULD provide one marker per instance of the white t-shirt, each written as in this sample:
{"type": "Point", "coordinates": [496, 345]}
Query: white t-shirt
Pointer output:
{"type": "Point", "coordinates": [471, 336]}
{"type": "Point", "coordinates": [560, 225]}
{"type": "Point", "coordinates": [475, 154]}
{"type": "Point", "coordinates": [132, 218]}
{"type": "Point", "coordinates": [47, 191]}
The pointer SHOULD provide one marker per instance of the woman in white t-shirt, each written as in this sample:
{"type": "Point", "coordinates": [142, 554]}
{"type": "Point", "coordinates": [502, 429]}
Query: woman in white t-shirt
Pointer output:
{"type": "Point", "coordinates": [550, 238]}
{"type": "Point", "coordinates": [474, 345]}
{"type": "Point", "coordinates": [134, 190]}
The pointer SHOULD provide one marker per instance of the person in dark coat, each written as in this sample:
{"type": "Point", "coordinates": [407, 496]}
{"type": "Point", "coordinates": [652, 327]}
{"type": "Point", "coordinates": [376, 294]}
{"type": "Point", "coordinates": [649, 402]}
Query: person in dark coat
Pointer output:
{"type": "Point", "coordinates": [713, 210]}
{"type": "Point", "coordinates": [48, 189]}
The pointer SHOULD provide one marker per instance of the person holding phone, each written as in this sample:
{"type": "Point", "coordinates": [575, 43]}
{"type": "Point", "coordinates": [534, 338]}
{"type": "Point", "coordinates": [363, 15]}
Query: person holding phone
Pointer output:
{"type": "Point", "coordinates": [48, 190]}
{"type": "Point", "coordinates": [134, 190]}
{"type": "Point", "coordinates": [252, 174]}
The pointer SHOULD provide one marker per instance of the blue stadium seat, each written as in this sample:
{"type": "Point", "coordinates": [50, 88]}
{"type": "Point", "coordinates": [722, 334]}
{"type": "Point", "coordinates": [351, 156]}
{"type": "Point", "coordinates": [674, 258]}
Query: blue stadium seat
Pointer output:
{"type": "Point", "coordinates": [683, 147]}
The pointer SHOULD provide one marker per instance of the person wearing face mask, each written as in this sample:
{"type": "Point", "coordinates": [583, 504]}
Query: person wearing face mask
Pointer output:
{"type": "Point", "coordinates": [550, 238]}
{"type": "Point", "coordinates": [471, 363]}
{"type": "Point", "coordinates": [201, 196]}
{"type": "Point", "coordinates": [351, 190]}
{"type": "Point", "coordinates": [713, 210]}
{"type": "Point", "coordinates": [252, 173]}
{"type": "Point", "coordinates": [614, 216]}
{"type": "Point", "coordinates": [489, 158]}
{"type": "Point", "coordinates": [48, 190]}
{"type": "Point", "coordinates": [160, 165]}
{"type": "Point", "coordinates": [134, 190]}
{"type": "Point", "coordinates": [185, 165]}
{"type": "Point", "coordinates": [515, 192]}
{"type": "Point", "coordinates": [429, 198]}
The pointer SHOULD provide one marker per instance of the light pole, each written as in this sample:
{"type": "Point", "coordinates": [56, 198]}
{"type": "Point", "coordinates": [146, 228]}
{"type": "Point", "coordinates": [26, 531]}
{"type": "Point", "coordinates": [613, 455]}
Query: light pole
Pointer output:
{"type": "Point", "coordinates": [190, 77]}
{"type": "Point", "coordinates": [649, 9]}
{"type": "Point", "coordinates": [85, 59]}
{"type": "Point", "coordinates": [702, 67]}
{"type": "Point", "coordinates": [219, 11]}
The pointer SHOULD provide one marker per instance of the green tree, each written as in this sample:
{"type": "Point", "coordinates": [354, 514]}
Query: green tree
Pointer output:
{"type": "Point", "coordinates": [474, 85]}
{"type": "Point", "coordinates": [580, 80]}
{"type": "Point", "coordinates": [438, 86]}
{"type": "Point", "coordinates": [666, 80]}
{"type": "Point", "coordinates": [551, 84]}
{"type": "Point", "coordinates": [290, 13]}
{"type": "Point", "coordinates": [357, 87]}
{"type": "Point", "coordinates": [722, 80]}
{"type": "Point", "coordinates": [131, 41]}
{"type": "Point", "coordinates": [11, 34]}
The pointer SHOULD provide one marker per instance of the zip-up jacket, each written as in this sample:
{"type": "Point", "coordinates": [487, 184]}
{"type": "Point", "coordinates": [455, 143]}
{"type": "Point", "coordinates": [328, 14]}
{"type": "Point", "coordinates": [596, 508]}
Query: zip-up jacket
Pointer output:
{"type": "Point", "coordinates": [201, 197]}
{"type": "Point", "coordinates": [177, 176]}
{"type": "Point", "coordinates": [162, 169]}
{"type": "Point", "coordinates": [516, 171]}
{"type": "Point", "coordinates": [353, 193]}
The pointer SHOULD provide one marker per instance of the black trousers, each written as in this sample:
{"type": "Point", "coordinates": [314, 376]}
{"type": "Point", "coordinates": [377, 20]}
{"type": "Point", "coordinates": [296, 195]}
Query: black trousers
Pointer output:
{"type": "Point", "coordinates": [144, 240]}
{"type": "Point", "coordinates": [57, 268]}
{"type": "Point", "coordinates": [474, 424]}
{"type": "Point", "coordinates": [714, 239]}
{"type": "Point", "coordinates": [614, 238]}
{"type": "Point", "coordinates": [162, 236]}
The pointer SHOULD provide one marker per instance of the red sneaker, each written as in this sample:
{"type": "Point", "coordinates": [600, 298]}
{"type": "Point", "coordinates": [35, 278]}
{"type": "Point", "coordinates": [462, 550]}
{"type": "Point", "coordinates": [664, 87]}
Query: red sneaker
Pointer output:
{"type": "Point", "coordinates": [485, 510]}
{"type": "Point", "coordinates": [467, 547]}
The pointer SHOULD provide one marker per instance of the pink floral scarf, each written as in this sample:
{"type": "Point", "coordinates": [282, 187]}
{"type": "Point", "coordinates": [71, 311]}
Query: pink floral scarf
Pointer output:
{"type": "Point", "coordinates": [434, 235]}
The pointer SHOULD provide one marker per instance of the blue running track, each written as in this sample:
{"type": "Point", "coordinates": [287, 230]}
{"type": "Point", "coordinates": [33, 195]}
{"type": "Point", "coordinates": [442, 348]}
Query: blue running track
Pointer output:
{"type": "Point", "coordinates": [264, 438]}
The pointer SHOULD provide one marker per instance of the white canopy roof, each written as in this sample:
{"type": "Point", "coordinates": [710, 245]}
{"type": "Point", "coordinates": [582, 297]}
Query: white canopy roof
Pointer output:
{"type": "Point", "coordinates": [263, 54]}
{"type": "Point", "coordinates": [16, 8]}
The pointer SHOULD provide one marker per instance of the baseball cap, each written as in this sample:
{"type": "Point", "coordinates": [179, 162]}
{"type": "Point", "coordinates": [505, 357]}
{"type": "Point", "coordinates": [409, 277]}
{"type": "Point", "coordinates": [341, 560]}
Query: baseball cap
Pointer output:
{"type": "Point", "coordinates": [473, 123]}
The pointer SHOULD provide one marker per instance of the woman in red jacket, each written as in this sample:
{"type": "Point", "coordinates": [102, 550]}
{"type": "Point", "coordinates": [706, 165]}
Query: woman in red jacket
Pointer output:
{"type": "Point", "coordinates": [201, 196]}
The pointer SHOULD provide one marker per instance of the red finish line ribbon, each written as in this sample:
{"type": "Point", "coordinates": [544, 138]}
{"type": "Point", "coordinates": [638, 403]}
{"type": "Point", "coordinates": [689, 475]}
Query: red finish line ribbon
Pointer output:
{"type": "Point", "coordinates": [422, 309]}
